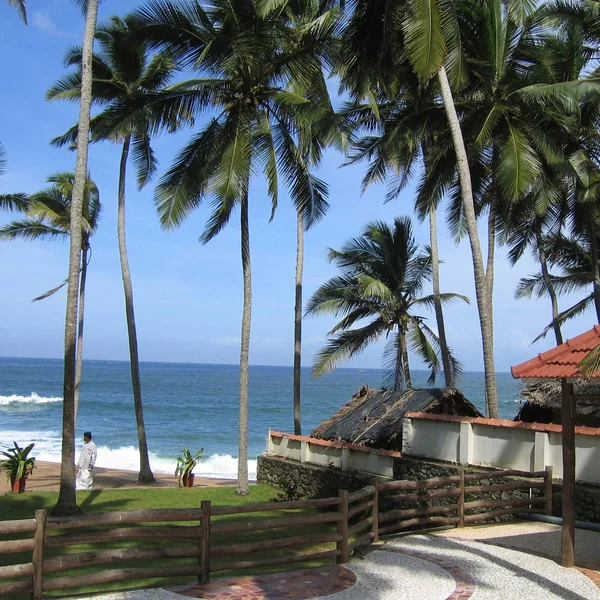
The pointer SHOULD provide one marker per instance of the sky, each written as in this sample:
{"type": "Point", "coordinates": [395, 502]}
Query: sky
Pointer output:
{"type": "Point", "coordinates": [188, 296]}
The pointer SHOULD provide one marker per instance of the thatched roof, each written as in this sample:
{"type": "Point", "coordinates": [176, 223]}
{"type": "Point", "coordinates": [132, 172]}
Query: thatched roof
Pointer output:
{"type": "Point", "coordinates": [547, 395]}
{"type": "Point", "coordinates": [374, 417]}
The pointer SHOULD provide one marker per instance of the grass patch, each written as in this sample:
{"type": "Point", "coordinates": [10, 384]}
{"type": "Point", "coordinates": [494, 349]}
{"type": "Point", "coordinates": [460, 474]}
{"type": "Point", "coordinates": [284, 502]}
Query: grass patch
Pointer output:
{"type": "Point", "coordinates": [23, 506]}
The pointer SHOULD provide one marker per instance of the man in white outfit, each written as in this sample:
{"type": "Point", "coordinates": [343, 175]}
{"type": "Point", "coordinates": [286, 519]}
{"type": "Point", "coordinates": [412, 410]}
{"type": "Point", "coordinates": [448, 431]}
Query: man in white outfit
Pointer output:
{"type": "Point", "coordinates": [86, 462]}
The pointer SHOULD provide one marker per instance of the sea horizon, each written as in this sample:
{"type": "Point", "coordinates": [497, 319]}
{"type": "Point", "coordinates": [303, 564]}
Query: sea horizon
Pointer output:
{"type": "Point", "coordinates": [170, 362]}
{"type": "Point", "coordinates": [186, 404]}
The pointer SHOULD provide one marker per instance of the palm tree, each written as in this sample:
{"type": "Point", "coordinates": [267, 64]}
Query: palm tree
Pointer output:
{"type": "Point", "coordinates": [327, 129]}
{"type": "Point", "coordinates": [399, 135]}
{"type": "Point", "coordinates": [383, 274]}
{"type": "Point", "coordinates": [529, 233]}
{"type": "Point", "coordinates": [67, 503]}
{"type": "Point", "coordinates": [247, 62]}
{"type": "Point", "coordinates": [21, 8]}
{"type": "Point", "coordinates": [426, 33]}
{"type": "Point", "coordinates": [565, 195]}
{"type": "Point", "coordinates": [573, 257]}
{"type": "Point", "coordinates": [122, 69]}
{"type": "Point", "coordinates": [504, 112]}
{"type": "Point", "coordinates": [48, 215]}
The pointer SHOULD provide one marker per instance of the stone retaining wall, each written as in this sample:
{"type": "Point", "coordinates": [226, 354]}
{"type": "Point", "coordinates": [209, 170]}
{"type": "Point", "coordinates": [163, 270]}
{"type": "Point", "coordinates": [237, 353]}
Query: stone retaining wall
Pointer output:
{"type": "Point", "coordinates": [315, 481]}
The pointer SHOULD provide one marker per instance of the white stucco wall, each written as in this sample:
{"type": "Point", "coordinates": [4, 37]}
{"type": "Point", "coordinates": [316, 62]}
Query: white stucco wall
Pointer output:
{"type": "Point", "coordinates": [503, 447]}
{"type": "Point", "coordinates": [435, 439]}
{"type": "Point", "coordinates": [323, 455]}
{"type": "Point", "coordinates": [283, 446]}
{"type": "Point", "coordinates": [319, 452]}
{"type": "Point", "coordinates": [371, 462]}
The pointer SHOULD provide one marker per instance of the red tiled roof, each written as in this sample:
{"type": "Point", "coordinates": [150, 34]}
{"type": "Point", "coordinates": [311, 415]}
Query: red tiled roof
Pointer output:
{"type": "Point", "coordinates": [561, 361]}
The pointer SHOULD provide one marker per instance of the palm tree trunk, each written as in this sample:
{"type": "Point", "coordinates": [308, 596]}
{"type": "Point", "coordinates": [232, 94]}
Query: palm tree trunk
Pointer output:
{"type": "Point", "coordinates": [489, 271]}
{"type": "Point", "coordinates": [145, 475]}
{"type": "Point", "coordinates": [437, 302]}
{"type": "Point", "coordinates": [79, 362]}
{"type": "Point", "coordinates": [405, 364]}
{"type": "Point", "coordinates": [298, 321]}
{"type": "Point", "coordinates": [549, 285]}
{"type": "Point", "coordinates": [242, 481]}
{"type": "Point", "coordinates": [398, 367]}
{"type": "Point", "coordinates": [481, 292]}
{"type": "Point", "coordinates": [66, 503]}
{"type": "Point", "coordinates": [594, 256]}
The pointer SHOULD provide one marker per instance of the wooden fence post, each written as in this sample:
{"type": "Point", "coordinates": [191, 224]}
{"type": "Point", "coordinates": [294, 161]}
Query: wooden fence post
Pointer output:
{"type": "Point", "coordinates": [38, 553]}
{"type": "Point", "coordinates": [204, 559]}
{"type": "Point", "coordinates": [342, 528]}
{"type": "Point", "coordinates": [375, 512]}
{"type": "Point", "coordinates": [461, 499]}
{"type": "Point", "coordinates": [548, 491]}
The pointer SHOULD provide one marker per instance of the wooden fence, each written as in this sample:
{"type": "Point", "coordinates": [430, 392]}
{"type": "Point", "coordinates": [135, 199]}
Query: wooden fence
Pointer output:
{"type": "Point", "coordinates": [211, 543]}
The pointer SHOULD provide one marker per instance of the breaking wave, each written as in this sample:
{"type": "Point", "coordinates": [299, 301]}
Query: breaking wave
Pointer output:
{"type": "Point", "coordinates": [48, 448]}
{"type": "Point", "coordinates": [33, 398]}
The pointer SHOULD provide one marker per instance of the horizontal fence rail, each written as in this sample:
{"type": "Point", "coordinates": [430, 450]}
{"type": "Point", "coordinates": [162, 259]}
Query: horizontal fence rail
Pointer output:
{"type": "Point", "coordinates": [196, 542]}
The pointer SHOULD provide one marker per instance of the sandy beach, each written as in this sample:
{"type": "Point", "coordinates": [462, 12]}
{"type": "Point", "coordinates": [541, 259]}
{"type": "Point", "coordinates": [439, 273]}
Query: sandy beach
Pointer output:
{"type": "Point", "coordinates": [46, 478]}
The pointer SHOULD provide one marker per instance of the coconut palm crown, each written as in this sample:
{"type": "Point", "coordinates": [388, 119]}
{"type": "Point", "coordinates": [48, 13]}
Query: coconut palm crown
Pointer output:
{"type": "Point", "coordinates": [122, 70]}
{"type": "Point", "coordinates": [48, 212]}
{"type": "Point", "coordinates": [48, 216]}
{"type": "Point", "coordinates": [383, 275]}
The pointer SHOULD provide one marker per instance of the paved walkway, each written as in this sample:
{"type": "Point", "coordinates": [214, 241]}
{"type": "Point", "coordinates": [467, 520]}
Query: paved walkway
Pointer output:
{"type": "Point", "coordinates": [434, 566]}
{"type": "Point", "coordinates": [535, 537]}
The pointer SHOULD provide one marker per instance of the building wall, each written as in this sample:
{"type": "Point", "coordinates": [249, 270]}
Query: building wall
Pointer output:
{"type": "Point", "coordinates": [500, 443]}
{"type": "Point", "coordinates": [433, 446]}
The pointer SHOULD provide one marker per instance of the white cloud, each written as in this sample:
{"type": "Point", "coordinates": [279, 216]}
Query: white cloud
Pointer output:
{"type": "Point", "coordinates": [520, 339]}
{"type": "Point", "coordinates": [268, 342]}
{"type": "Point", "coordinates": [44, 23]}
{"type": "Point", "coordinates": [226, 340]}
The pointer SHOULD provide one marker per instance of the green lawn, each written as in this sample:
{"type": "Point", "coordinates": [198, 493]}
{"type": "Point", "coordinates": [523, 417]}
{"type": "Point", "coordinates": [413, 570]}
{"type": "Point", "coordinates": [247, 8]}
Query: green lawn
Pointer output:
{"type": "Point", "coordinates": [21, 506]}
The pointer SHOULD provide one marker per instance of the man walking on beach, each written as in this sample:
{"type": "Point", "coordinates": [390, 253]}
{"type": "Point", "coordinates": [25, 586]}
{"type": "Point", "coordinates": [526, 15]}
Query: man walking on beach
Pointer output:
{"type": "Point", "coordinates": [86, 462]}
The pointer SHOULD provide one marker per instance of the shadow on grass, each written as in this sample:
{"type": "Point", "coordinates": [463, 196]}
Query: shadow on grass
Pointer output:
{"type": "Point", "coordinates": [89, 499]}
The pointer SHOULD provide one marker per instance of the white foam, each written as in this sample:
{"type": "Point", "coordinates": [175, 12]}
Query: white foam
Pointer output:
{"type": "Point", "coordinates": [127, 458]}
{"type": "Point", "coordinates": [48, 448]}
{"type": "Point", "coordinates": [47, 443]}
{"type": "Point", "coordinates": [33, 398]}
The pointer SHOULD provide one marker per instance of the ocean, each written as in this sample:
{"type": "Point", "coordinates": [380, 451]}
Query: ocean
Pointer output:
{"type": "Point", "coordinates": [193, 405]}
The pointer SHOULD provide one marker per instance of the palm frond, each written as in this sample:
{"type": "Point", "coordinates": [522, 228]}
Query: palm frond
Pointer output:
{"type": "Point", "coordinates": [51, 292]}
{"type": "Point", "coordinates": [21, 7]}
{"type": "Point", "coordinates": [590, 365]}
{"type": "Point", "coordinates": [391, 360]}
{"type": "Point", "coordinates": [420, 339]}
{"type": "Point", "coordinates": [230, 181]}
{"type": "Point", "coordinates": [14, 202]}
{"type": "Point", "coordinates": [345, 345]}
{"type": "Point", "coordinates": [143, 158]}
{"type": "Point", "coordinates": [184, 185]}
{"type": "Point", "coordinates": [423, 37]}
{"type": "Point", "coordinates": [566, 315]}
{"type": "Point", "coordinates": [30, 229]}
{"type": "Point", "coordinates": [2, 159]}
